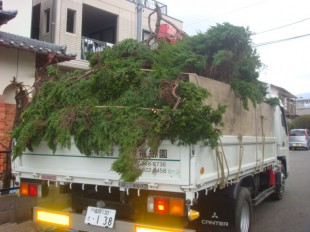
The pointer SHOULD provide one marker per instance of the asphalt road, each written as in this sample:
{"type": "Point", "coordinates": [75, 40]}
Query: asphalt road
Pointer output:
{"type": "Point", "coordinates": [292, 213]}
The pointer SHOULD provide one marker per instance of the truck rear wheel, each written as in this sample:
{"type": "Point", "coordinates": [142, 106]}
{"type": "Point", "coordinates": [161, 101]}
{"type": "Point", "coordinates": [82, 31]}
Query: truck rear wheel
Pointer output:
{"type": "Point", "coordinates": [243, 211]}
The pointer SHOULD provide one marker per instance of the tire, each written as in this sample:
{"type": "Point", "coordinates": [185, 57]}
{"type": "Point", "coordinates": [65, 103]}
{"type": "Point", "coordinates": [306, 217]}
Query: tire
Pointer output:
{"type": "Point", "coordinates": [243, 211]}
{"type": "Point", "coordinates": [280, 185]}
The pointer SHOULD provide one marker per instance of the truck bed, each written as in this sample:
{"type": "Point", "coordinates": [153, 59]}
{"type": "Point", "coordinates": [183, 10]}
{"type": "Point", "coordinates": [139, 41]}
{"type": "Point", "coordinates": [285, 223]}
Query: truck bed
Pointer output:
{"type": "Point", "coordinates": [248, 145]}
{"type": "Point", "coordinates": [175, 168]}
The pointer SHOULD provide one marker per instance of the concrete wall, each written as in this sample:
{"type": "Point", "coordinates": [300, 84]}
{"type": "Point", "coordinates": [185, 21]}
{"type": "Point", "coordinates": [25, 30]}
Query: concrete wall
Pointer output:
{"type": "Point", "coordinates": [18, 209]}
{"type": "Point", "coordinates": [15, 209]}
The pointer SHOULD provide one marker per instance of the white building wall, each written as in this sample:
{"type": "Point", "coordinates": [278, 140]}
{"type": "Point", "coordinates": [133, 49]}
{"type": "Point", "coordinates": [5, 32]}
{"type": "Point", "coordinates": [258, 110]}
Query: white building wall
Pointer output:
{"type": "Point", "coordinates": [16, 64]}
{"type": "Point", "coordinates": [71, 40]}
{"type": "Point", "coordinates": [45, 36]}
{"type": "Point", "coordinates": [302, 106]}
{"type": "Point", "coordinates": [126, 27]}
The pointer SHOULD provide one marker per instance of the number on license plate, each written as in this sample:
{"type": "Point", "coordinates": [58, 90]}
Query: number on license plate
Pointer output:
{"type": "Point", "coordinates": [100, 217]}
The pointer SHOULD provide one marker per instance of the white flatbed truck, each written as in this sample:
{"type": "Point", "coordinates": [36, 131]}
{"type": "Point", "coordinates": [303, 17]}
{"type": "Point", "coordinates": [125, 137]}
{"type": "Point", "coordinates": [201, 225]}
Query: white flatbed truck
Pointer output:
{"type": "Point", "coordinates": [182, 188]}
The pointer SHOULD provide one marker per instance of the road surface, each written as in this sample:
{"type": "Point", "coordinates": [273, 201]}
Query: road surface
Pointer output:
{"type": "Point", "coordinates": [292, 213]}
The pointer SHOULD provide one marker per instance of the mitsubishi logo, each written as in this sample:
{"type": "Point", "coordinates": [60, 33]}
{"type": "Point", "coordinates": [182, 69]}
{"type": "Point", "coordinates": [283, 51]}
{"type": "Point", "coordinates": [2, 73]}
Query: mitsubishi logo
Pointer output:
{"type": "Point", "coordinates": [214, 215]}
{"type": "Point", "coordinates": [215, 221]}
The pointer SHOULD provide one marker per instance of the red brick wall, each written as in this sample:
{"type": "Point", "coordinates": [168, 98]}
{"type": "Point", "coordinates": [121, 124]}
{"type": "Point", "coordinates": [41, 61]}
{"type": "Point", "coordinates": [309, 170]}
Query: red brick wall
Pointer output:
{"type": "Point", "coordinates": [7, 114]}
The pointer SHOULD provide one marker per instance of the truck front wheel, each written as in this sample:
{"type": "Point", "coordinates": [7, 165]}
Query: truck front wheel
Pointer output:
{"type": "Point", "coordinates": [243, 211]}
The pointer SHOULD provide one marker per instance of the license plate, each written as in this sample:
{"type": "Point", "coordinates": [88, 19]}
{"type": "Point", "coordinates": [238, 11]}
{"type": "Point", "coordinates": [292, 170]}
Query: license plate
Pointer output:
{"type": "Point", "coordinates": [100, 217]}
{"type": "Point", "coordinates": [298, 144]}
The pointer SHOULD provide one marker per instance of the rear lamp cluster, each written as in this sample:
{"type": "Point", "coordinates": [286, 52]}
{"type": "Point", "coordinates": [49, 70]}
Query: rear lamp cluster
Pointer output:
{"type": "Point", "coordinates": [165, 205]}
{"type": "Point", "coordinates": [170, 206]}
{"type": "Point", "coordinates": [30, 189]}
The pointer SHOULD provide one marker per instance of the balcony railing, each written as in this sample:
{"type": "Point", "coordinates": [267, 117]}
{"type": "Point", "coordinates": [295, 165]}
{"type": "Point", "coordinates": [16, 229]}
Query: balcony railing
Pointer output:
{"type": "Point", "coordinates": [151, 5]}
{"type": "Point", "coordinates": [92, 45]}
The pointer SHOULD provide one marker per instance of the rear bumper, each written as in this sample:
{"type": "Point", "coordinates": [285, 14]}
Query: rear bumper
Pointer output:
{"type": "Point", "coordinates": [298, 145]}
{"type": "Point", "coordinates": [77, 223]}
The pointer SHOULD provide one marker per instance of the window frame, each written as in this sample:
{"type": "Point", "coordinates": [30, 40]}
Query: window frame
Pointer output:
{"type": "Point", "coordinates": [71, 21]}
{"type": "Point", "coordinates": [47, 20]}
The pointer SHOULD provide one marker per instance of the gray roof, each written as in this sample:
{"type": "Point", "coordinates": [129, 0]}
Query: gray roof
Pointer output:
{"type": "Point", "coordinates": [41, 48]}
{"type": "Point", "coordinates": [303, 96]}
{"type": "Point", "coordinates": [284, 92]}
{"type": "Point", "coordinates": [7, 15]}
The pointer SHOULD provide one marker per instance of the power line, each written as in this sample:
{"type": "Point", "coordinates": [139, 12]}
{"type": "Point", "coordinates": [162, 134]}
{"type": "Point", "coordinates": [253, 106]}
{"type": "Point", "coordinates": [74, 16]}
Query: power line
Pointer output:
{"type": "Point", "coordinates": [276, 28]}
{"type": "Point", "coordinates": [281, 40]}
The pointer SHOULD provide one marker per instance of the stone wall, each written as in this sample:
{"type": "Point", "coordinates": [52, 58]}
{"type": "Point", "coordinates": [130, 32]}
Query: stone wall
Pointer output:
{"type": "Point", "coordinates": [15, 209]}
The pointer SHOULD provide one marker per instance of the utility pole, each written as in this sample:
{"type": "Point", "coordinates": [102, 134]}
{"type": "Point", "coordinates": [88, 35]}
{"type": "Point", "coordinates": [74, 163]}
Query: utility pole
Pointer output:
{"type": "Point", "coordinates": [139, 20]}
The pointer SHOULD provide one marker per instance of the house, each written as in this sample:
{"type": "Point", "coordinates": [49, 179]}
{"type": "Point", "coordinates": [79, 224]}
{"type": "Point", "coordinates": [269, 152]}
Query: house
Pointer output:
{"type": "Point", "coordinates": [303, 104]}
{"type": "Point", "coordinates": [91, 25]}
{"type": "Point", "coordinates": [20, 59]}
{"type": "Point", "coordinates": [287, 99]}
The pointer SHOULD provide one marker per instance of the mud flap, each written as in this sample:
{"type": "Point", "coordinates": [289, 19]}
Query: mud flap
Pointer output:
{"type": "Point", "coordinates": [216, 211]}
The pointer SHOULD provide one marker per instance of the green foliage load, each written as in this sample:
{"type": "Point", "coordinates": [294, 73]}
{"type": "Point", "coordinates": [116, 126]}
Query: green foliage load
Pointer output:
{"type": "Point", "coordinates": [120, 103]}
{"type": "Point", "coordinates": [227, 55]}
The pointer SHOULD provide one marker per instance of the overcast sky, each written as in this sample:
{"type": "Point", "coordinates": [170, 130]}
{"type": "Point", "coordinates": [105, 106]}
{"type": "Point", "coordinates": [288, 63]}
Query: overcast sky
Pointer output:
{"type": "Point", "coordinates": [20, 25]}
{"type": "Point", "coordinates": [287, 63]}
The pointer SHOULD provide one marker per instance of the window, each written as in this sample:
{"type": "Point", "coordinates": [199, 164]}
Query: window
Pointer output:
{"type": "Point", "coordinates": [145, 35]}
{"type": "Point", "coordinates": [71, 20]}
{"type": "Point", "coordinates": [47, 14]}
{"type": "Point", "coordinates": [35, 22]}
{"type": "Point", "coordinates": [283, 120]}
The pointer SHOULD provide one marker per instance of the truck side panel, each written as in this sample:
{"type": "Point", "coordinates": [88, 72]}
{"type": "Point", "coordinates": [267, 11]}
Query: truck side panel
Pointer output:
{"type": "Point", "coordinates": [170, 167]}
{"type": "Point", "coordinates": [232, 162]}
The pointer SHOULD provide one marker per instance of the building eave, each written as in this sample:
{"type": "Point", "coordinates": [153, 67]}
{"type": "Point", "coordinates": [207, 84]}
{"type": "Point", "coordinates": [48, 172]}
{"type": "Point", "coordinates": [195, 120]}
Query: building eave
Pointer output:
{"type": "Point", "coordinates": [46, 53]}
{"type": "Point", "coordinates": [6, 16]}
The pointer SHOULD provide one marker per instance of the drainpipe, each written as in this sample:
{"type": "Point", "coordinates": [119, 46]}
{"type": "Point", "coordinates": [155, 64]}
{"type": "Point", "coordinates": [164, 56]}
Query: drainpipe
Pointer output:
{"type": "Point", "coordinates": [53, 21]}
{"type": "Point", "coordinates": [139, 20]}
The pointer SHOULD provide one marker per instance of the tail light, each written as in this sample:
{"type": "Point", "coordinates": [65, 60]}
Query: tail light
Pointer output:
{"type": "Point", "coordinates": [161, 205]}
{"type": "Point", "coordinates": [31, 190]}
{"type": "Point", "coordinates": [165, 205]}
